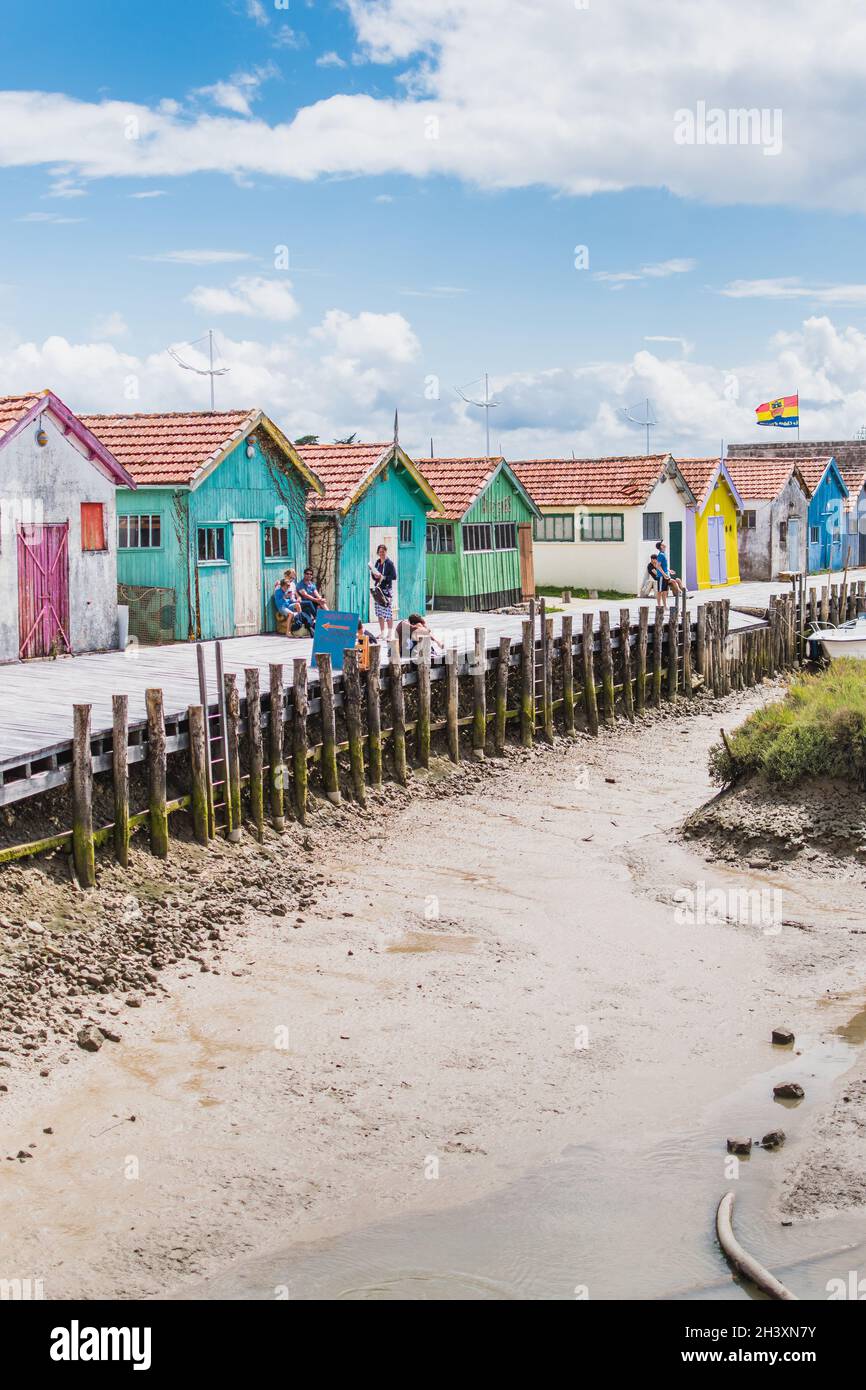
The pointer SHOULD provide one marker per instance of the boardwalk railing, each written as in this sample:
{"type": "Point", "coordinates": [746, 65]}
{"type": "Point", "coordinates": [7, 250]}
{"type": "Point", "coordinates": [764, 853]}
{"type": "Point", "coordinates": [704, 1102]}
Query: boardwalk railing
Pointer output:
{"type": "Point", "coordinates": [249, 758]}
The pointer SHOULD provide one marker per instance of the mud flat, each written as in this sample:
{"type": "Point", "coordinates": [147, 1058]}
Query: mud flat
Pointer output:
{"type": "Point", "coordinates": [393, 1014]}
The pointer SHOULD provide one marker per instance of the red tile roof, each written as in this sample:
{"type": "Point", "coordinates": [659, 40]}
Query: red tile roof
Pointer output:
{"type": "Point", "coordinates": [458, 482]}
{"type": "Point", "coordinates": [698, 473]}
{"type": "Point", "coordinates": [170, 450]}
{"type": "Point", "coordinates": [763, 478]}
{"type": "Point", "coordinates": [14, 408]}
{"type": "Point", "coordinates": [855, 479]}
{"type": "Point", "coordinates": [604, 482]}
{"type": "Point", "coordinates": [813, 470]}
{"type": "Point", "coordinates": [342, 468]}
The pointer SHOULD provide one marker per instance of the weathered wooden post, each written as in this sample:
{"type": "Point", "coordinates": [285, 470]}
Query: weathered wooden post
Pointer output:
{"type": "Point", "coordinates": [330, 776]}
{"type": "Point", "coordinates": [233, 746]}
{"type": "Point", "coordinates": [479, 693]}
{"type": "Point", "coordinates": [354, 724]}
{"type": "Point", "coordinates": [825, 603]}
{"type": "Point", "coordinates": [156, 773]}
{"type": "Point", "coordinates": [673, 651]}
{"type": "Point", "coordinates": [83, 851]}
{"type": "Point", "coordinates": [276, 754]}
{"type": "Point", "coordinates": [548, 679]}
{"type": "Point", "coordinates": [205, 704]}
{"type": "Point", "coordinates": [701, 642]}
{"type": "Point", "coordinates": [256, 750]}
{"type": "Point", "coordinates": [687, 651]}
{"type": "Point", "coordinates": [566, 653]}
{"type": "Point", "coordinates": [398, 716]}
{"type": "Point", "coordinates": [501, 694]}
{"type": "Point", "coordinates": [726, 621]}
{"type": "Point", "coordinates": [422, 725]}
{"type": "Point", "coordinates": [590, 699]}
{"type": "Point", "coordinates": [719, 648]}
{"type": "Point", "coordinates": [625, 658]}
{"type": "Point", "coordinates": [452, 703]}
{"type": "Point", "coordinates": [527, 686]}
{"type": "Point", "coordinates": [300, 772]}
{"type": "Point", "coordinates": [374, 716]}
{"type": "Point", "coordinates": [198, 766]}
{"type": "Point", "coordinates": [834, 604]}
{"type": "Point", "coordinates": [642, 641]}
{"type": "Point", "coordinates": [658, 656]}
{"type": "Point", "coordinates": [120, 776]}
{"type": "Point", "coordinates": [606, 659]}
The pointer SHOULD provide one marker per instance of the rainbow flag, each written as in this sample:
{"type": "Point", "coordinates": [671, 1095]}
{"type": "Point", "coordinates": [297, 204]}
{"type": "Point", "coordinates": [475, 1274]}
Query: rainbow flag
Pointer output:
{"type": "Point", "coordinates": [784, 412]}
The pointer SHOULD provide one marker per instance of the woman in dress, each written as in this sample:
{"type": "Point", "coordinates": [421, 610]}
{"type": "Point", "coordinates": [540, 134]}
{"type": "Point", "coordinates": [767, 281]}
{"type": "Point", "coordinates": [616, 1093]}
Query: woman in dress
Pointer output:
{"type": "Point", "coordinates": [384, 575]}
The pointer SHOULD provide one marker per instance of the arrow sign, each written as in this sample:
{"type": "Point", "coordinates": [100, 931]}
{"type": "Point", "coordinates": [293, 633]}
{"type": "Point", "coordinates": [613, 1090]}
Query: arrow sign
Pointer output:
{"type": "Point", "coordinates": [334, 632]}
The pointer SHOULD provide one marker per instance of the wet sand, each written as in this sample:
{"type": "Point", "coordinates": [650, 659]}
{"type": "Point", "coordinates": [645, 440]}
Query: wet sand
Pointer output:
{"type": "Point", "coordinates": [485, 981]}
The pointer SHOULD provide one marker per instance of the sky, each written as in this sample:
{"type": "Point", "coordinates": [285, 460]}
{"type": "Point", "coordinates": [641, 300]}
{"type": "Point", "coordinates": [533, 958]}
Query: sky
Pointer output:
{"type": "Point", "coordinates": [374, 202]}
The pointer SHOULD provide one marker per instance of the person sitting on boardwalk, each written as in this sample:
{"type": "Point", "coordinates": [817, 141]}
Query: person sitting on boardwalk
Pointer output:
{"type": "Point", "coordinates": [669, 578]}
{"type": "Point", "coordinates": [412, 630]}
{"type": "Point", "coordinates": [384, 575]}
{"type": "Point", "coordinates": [290, 618]}
{"type": "Point", "coordinates": [311, 599]}
{"type": "Point", "coordinates": [650, 584]}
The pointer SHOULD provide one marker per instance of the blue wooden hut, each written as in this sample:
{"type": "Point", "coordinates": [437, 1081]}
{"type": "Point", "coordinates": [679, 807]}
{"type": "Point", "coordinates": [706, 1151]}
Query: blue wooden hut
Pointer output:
{"type": "Point", "coordinates": [374, 494]}
{"type": "Point", "coordinates": [828, 517]}
{"type": "Point", "coordinates": [218, 514]}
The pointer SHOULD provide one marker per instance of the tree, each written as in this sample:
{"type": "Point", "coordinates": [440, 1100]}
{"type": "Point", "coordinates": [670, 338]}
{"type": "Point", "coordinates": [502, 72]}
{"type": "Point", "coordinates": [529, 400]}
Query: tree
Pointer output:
{"type": "Point", "coordinates": [308, 439]}
{"type": "Point", "coordinates": [350, 440]}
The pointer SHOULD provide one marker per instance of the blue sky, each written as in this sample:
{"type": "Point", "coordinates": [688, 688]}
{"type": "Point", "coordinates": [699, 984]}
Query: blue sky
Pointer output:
{"type": "Point", "coordinates": [717, 276]}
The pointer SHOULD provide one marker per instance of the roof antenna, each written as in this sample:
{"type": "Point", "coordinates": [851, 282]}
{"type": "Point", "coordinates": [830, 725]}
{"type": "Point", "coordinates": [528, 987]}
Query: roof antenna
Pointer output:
{"type": "Point", "coordinates": [629, 412]}
{"type": "Point", "coordinates": [210, 371]}
{"type": "Point", "coordinates": [486, 405]}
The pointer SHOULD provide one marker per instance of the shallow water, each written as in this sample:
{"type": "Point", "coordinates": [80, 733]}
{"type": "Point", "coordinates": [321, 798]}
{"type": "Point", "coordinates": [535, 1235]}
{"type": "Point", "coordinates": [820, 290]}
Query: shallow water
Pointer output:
{"type": "Point", "coordinates": [627, 1216]}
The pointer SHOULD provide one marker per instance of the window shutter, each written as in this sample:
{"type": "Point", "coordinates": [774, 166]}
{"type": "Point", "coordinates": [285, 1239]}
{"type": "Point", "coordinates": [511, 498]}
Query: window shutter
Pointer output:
{"type": "Point", "coordinates": [92, 526]}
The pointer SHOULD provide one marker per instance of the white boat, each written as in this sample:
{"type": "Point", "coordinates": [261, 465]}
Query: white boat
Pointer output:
{"type": "Point", "coordinates": [849, 640]}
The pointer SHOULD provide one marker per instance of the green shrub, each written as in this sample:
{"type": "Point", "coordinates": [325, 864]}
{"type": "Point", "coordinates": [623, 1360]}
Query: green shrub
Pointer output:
{"type": "Point", "coordinates": [817, 730]}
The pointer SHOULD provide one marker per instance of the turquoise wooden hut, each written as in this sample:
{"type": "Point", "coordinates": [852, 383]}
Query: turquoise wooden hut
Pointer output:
{"type": "Point", "coordinates": [218, 514]}
{"type": "Point", "coordinates": [479, 555]}
{"type": "Point", "coordinates": [828, 514]}
{"type": "Point", "coordinates": [373, 495]}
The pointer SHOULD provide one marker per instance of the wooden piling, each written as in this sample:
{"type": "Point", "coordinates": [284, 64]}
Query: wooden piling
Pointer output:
{"type": "Point", "coordinates": [204, 700]}
{"type": "Point", "coordinates": [642, 640]}
{"type": "Point", "coordinates": [198, 765]}
{"type": "Point", "coordinates": [625, 660]}
{"type": "Point", "coordinates": [276, 754]}
{"type": "Point", "coordinates": [658, 657]}
{"type": "Point", "coordinates": [527, 686]}
{"type": "Point", "coordinates": [452, 704]}
{"type": "Point", "coordinates": [256, 751]}
{"type": "Point", "coordinates": [566, 652]}
{"type": "Point", "coordinates": [502, 666]}
{"type": "Point", "coordinates": [374, 717]}
{"type": "Point", "coordinates": [548, 679]}
{"type": "Point", "coordinates": [120, 776]}
{"type": "Point", "coordinates": [673, 651]}
{"type": "Point", "coordinates": [422, 723]}
{"type": "Point", "coordinates": [590, 699]}
{"type": "Point", "coordinates": [479, 694]}
{"type": "Point", "coordinates": [606, 662]}
{"type": "Point", "coordinates": [233, 748]}
{"type": "Point", "coordinates": [354, 723]}
{"type": "Point", "coordinates": [688, 688]}
{"type": "Point", "coordinates": [701, 641]}
{"type": "Point", "coordinates": [300, 701]}
{"type": "Point", "coordinates": [83, 850]}
{"type": "Point", "coordinates": [825, 603]}
{"type": "Point", "coordinates": [398, 716]}
{"type": "Point", "coordinates": [156, 774]}
{"type": "Point", "coordinates": [330, 776]}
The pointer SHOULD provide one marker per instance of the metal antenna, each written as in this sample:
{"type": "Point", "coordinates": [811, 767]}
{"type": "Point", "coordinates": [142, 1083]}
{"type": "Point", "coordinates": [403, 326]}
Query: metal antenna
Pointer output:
{"type": "Point", "coordinates": [486, 405]}
{"type": "Point", "coordinates": [860, 434]}
{"type": "Point", "coordinates": [648, 422]}
{"type": "Point", "coordinates": [209, 371]}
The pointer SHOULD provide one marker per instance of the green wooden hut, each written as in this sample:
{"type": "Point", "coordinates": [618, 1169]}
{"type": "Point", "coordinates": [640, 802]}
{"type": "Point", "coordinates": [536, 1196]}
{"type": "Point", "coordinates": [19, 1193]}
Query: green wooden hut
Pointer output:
{"type": "Point", "coordinates": [218, 514]}
{"type": "Point", "coordinates": [479, 554]}
{"type": "Point", "coordinates": [374, 495]}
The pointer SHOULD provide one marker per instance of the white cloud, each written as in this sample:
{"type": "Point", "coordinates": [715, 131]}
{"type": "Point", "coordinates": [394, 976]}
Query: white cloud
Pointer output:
{"type": "Point", "coordinates": [683, 344]}
{"type": "Point", "coordinates": [604, 120]}
{"type": "Point", "coordinates": [257, 13]}
{"type": "Point", "coordinates": [253, 295]}
{"type": "Point", "coordinates": [330, 60]}
{"type": "Point", "coordinates": [790, 287]}
{"type": "Point", "coordinates": [111, 325]}
{"type": "Point", "coordinates": [49, 217]}
{"type": "Point", "coordinates": [149, 193]}
{"type": "Point", "coordinates": [201, 257]}
{"type": "Point", "coordinates": [240, 90]}
{"type": "Point", "coordinates": [657, 270]}
{"type": "Point", "coordinates": [388, 337]}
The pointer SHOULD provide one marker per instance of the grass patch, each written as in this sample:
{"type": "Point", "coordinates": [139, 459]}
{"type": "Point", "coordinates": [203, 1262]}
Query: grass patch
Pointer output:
{"type": "Point", "coordinates": [817, 730]}
{"type": "Point", "coordinates": [556, 591]}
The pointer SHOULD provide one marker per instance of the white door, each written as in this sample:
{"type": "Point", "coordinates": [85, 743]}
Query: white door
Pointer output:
{"type": "Point", "coordinates": [247, 577]}
{"type": "Point", "coordinates": [794, 543]}
{"type": "Point", "coordinates": [385, 535]}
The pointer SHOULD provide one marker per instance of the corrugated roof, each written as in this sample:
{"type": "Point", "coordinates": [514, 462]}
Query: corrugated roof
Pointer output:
{"type": "Point", "coordinates": [171, 449]}
{"type": "Point", "coordinates": [603, 482]}
{"type": "Point", "coordinates": [763, 478]}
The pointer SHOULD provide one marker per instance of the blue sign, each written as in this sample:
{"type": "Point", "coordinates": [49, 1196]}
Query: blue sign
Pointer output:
{"type": "Point", "coordinates": [334, 632]}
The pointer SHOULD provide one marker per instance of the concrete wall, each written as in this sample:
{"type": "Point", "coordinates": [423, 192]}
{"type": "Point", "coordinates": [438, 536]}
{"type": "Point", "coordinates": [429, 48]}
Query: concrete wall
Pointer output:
{"type": "Point", "coordinates": [762, 553]}
{"type": "Point", "coordinates": [48, 483]}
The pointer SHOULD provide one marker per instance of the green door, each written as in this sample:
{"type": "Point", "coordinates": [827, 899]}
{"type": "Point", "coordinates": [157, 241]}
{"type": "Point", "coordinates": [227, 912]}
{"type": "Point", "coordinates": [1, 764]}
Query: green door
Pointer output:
{"type": "Point", "coordinates": [675, 547]}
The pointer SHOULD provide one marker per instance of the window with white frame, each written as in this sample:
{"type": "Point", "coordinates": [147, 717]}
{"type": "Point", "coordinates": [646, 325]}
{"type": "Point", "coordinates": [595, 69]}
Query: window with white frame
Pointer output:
{"type": "Point", "coordinates": [211, 544]}
{"type": "Point", "coordinates": [601, 526]}
{"type": "Point", "coordinates": [747, 521]}
{"type": "Point", "coordinates": [276, 542]}
{"type": "Point", "coordinates": [139, 532]}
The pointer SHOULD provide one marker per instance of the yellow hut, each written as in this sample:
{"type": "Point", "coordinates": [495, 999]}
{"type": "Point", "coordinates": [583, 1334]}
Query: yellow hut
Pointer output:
{"type": "Point", "coordinates": [712, 557]}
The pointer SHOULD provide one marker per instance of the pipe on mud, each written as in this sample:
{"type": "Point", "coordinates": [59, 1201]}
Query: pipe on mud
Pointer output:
{"type": "Point", "coordinates": [737, 1256]}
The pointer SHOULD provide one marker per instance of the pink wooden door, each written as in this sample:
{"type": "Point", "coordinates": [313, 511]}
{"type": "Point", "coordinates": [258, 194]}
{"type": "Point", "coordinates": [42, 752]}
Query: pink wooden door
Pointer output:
{"type": "Point", "coordinates": [43, 590]}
